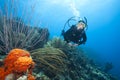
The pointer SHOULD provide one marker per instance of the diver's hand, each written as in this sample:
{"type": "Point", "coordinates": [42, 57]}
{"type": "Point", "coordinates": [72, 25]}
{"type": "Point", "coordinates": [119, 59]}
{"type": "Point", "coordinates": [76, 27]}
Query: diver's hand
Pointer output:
{"type": "Point", "coordinates": [72, 45]}
{"type": "Point", "coordinates": [75, 45]}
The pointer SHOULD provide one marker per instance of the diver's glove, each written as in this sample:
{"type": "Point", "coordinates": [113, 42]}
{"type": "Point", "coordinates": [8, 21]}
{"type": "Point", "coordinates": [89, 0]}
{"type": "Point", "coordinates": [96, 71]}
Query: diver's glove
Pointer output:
{"type": "Point", "coordinates": [63, 31]}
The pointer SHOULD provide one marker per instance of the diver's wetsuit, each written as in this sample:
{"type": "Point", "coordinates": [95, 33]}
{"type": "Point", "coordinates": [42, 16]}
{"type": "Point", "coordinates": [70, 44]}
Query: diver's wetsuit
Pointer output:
{"type": "Point", "coordinates": [75, 35]}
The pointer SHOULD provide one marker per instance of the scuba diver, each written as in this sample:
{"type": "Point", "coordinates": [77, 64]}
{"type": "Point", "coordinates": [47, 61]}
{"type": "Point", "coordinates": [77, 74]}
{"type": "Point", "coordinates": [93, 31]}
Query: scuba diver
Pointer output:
{"type": "Point", "coordinates": [76, 34]}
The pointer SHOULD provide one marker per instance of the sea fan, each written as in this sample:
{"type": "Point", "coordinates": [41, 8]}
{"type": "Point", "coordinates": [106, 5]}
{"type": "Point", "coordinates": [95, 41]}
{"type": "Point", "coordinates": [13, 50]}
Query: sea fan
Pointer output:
{"type": "Point", "coordinates": [18, 35]}
{"type": "Point", "coordinates": [15, 33]}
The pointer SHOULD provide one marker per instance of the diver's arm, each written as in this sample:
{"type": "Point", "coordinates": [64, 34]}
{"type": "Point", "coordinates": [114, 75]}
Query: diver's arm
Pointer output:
{"type": "Point", "coordinates": [73, 27]}
{"type": "Point", "coordinates": [84, 39]}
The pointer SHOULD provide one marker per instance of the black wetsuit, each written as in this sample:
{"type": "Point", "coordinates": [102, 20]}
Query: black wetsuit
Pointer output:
{"type": "Point", "coordinates": [75, 35]}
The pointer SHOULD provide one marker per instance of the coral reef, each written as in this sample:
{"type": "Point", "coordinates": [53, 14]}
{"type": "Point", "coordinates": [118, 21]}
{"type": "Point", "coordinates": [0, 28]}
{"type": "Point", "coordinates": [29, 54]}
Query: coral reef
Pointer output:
{"type": "Point", "coordinates": [15, 34]}
{"type": "Point", "coordinates": [72, 62]}
{"type": "Point", "coordinates": [57, 42]}
{"type": "Point", "coordinates": [50, 60]}
{"type": "Point", "coordinates": [16, 64]}
{"type": "Point", "coordinates": [57, 61]}
{"type": "Point", "coordinates": [51, 64]}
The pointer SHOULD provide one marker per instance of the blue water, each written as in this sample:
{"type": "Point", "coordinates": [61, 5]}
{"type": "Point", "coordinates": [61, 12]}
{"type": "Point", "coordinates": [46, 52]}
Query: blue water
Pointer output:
{"type": "Point", "coordinates": [103, 43]}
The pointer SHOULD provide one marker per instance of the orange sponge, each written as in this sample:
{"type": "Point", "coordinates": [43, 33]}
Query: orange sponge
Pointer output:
{"type": "Point", "coordinates": [2, 74]}
{"type": "Point", "coordinates": [22, 64]}
{"type": "Point", "coordinates": [30, 77]}
{"type": "Point", "coordinates": [14, 55]}
{"type": "Point", "coordinates": [17, 61]}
